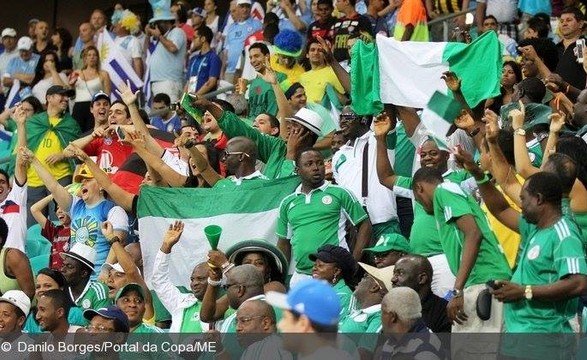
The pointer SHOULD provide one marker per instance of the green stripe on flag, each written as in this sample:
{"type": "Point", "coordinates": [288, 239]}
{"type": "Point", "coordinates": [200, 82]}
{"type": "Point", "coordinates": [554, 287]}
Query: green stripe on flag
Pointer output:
{"type": "Point", "coordinates": [478, 65]}
{"type": "Point", "coordinates": [365, 97]}
{"type": "Point", "coordinates": [188, 203]}
{"type": "Point", "coordinates": [444, 106]}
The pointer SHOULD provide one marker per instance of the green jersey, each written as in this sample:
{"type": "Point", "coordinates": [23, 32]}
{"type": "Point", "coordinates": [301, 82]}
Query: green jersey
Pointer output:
{"type": "Point", "coordinates": [424, 238]}
{"type": "Point", "coordinates": [270, 150]}
{"type": "Point", "coordinates": [261, 96]}
{"type": "Point", "coordinates": [253, 180]}
{"type": "Point", "coordinates": [534, 152]}
{"type": "Point", "coordinates": [146, 329]}
{"type": "Point", "coordinates": [94, 296]}
{"type": "Point", "coordinates": [547, 255]}
{"type": "Point", "coordinates": [364, 321]}
{"type": "Point", "coordinates": [191, 319]}
{"type": "Point", "coordinates": [315, 219]}
{"type": "Point", "coordinates": [580, 219]}
{"type": "Point", "coordinates": [347, 300]}
{"type": "Point", "coordinates": [404, 152]}
{"type": "Point", "coordinates": [450, 203]}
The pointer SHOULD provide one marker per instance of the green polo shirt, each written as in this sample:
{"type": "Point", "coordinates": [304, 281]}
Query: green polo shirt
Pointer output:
{"type": "Point", "coordinates": [426, 241]}
{"type": "Point", "coordinates": [580, 219]}
{"type": "Point", "coordinates": [547, 256]}
{"type": "Point", "coordinates": [450, 203]}
{"type": "Point", "coordinates": [315, 219]}
{"type": "Point", "coordinates": [364, 321]}
{"type": "Point", "coordinates": [94, 296]}
{"type": "Point", "coordinates": [347, 300]}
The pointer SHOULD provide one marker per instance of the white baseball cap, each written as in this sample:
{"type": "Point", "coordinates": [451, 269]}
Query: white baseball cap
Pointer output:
{"type": "Point", "coordinates": [244, 2]}
{"type": "Point", "coordinates": [9, 32]}
{"type": "Point", "coordinates": [18, 299]}
{"type": "Point", "coordinates": [25, 43]}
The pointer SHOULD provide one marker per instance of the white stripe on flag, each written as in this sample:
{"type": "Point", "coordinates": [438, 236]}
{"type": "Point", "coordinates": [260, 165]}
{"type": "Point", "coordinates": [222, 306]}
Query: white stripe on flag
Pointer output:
{"type": "Point", "coordinates": [116, 65]}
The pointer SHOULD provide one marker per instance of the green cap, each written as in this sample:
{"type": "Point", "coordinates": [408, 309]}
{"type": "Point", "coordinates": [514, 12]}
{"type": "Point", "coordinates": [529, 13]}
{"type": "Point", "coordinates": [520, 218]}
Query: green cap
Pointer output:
{"type": "Point", "coordinates": [130, 287]}
{"type": "Point", "coordinates": [388, 242]}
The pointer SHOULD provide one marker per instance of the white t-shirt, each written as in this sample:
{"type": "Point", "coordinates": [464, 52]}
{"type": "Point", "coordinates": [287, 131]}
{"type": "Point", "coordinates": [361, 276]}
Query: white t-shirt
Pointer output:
{"type": "Point", "coordinates": [505, 11]}
{"type": "Point", "coordinates": [13, 211]}
{"type": "Point", "coordinates": [175, 162]}
{"type": "Point", "coordinates": [129, 47]}
{"type": "Point", "coordinates": [40, 88]}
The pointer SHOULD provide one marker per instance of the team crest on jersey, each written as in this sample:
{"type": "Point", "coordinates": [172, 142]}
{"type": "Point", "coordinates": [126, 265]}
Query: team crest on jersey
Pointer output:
{"type": "Point", "coordinates": [327, 200]}
{"type": "Point", "coordinates": [534, 252]}
{"type": "Point", "coordinates": [108, 141]}
{"type": "Point", "coordinates": [86, 303]}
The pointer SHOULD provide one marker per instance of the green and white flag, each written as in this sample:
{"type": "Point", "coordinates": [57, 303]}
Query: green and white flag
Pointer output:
{"type": "Point", "coordinates": [410, 71]}
{"type": "Point", "coordinates": [243, 214]}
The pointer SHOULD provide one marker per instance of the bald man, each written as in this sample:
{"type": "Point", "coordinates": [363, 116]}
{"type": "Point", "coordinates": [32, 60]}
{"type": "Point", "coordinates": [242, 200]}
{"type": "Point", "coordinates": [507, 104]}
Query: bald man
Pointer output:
{"type": "Point", "coordinates": [415, 272]}
{"type": "Point", "coordinates": [240, 157]}
{"type": "Point", "coordinates": [254, 317]}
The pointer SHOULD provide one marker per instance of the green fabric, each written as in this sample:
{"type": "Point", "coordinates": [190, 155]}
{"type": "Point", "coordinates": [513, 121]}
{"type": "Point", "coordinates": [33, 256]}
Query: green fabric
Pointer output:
{"type": "Point", "coordinates": [450, 203]}
{"type": "Point", "coordinates": [146, 329]}
{"type": "Point", "coordinates": [303, 216]}
{"type": "Point", "coordinates": [535, 152]}
{"type": "Point", "coordinates": [547, 256]}
{"type": "Point", "coordinates": [230, 184]}
{"type": "Point", "coordinates": [444, 106]}
{"type": "Point", "coordinates": [404, 152]}
{"type": "Point", "coordinates": [580, 219]}
{"type": "Point", "coordinates": [347, 301]}
{"type": "Point", "coordinates": [38, 125]}
{"type": "Point", "coordinates": [261, 96]}
{"type": "Point", "coordinates": [271, 150]}
{"type": "Point", "coordinates": [464, 60]}
{"type": "Point", "coordinates": [95, 297]}
{"type": "Point", "coordinates": [365, 95]}
{"type": "Point", "coordinates": [190, 322]}
{"type": "Point", "coordinates": [161, 313]}
{"type": "Point", "coordinates": [386, 228]}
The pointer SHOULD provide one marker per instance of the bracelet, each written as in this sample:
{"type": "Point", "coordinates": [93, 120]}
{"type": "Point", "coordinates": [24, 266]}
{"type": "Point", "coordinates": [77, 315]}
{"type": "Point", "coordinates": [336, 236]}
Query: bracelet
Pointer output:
{"type": "Point", "coordinates": [568, 88]}
{"type": "Point", "coordinates": [225, 265]}
{"type": "Point", "coordinates": [227, 269]}
{"type": "Point", "coordinates": [113, 239]}
{"type": "Point", "coordinates": [485, 180]}
{"type": "Point", "coordinates": [474, 132]}
{"type": "Point", "coordinates": [214, 283]}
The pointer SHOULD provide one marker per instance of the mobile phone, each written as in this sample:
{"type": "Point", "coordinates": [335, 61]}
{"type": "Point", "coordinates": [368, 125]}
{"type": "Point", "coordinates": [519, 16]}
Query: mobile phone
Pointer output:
{"type": "Point", "coordinates": [120, 133]}
{"type": "Point", "coordinates": [580, 45]}
{"type": "Point", "coordinates": [491, 284]}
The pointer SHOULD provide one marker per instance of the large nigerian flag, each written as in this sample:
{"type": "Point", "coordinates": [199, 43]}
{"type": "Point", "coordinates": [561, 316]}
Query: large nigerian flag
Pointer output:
{"type": "Point", "coordinates": [410, 72]}
{"type": "Point", "coordinates": [243, 214]}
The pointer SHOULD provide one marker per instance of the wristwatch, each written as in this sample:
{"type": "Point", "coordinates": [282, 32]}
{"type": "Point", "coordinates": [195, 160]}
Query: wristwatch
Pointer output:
{"type": "Point", "coordinates": [113, 239]}
{"type": "Point", "coordinates": [457, 293]}
{"type": "Point", "coordinates": [520, 131]}
{"type": "Point", "coordinates": [528, 293]}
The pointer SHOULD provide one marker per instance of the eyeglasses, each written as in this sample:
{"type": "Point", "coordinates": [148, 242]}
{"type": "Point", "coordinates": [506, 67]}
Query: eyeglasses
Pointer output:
{"type": "Point", "coordinates": [228, 286]}
{"type": "Point", "coordinates": [245, 320]}
{"type": "Point", "coordinates": [101, 328]}
{"type": "Point", "coordinates": [348, 117]}
{"type": "Point", "coordinates": [227, 154]}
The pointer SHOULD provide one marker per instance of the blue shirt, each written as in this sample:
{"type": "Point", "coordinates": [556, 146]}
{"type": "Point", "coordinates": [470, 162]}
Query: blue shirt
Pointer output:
{"type": "Point", "coordinates": [165, 65]}
{"type": "Point", "coordinates": [19, 66]}
{"type": "Point", "coordinates": [235, 40]}
{"type": "Point", "coordinates": [86, 222]}
{"type": "Point", "coordinates": [202, 67]}
{"type": "Point", "coordinates": [167, 125]}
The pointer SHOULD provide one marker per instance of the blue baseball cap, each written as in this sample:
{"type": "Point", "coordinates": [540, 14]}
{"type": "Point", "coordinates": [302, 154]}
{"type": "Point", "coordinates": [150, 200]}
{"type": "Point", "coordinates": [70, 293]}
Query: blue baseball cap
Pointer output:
{"type": "Point", "coordinates": [111, 312]}
{"type": "Point", "coordinates": [313, 298]}
{"type": "Point", "coordinates": [101, 95]}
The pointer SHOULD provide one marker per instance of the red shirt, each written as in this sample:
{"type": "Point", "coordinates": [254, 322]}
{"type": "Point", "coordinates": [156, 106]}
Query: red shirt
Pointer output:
{"type": "Point", "coordinates": [111, 153]}
{"type": "Point", "coordinates": [59, 237]}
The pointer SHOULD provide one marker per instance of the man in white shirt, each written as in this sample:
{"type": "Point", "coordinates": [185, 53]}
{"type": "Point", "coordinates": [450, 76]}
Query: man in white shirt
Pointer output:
{"type": "Point", "coordinates": [10, 52]}
{"type": "Point", "coordinates": [128, 45]}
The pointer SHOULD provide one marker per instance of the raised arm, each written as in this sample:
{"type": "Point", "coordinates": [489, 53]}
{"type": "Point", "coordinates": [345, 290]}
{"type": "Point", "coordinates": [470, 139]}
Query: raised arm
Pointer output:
{"type": "Point", "coordinates": [63, 198]}
{"type": "Point", "coordinates": [20, 170]}
{"type": "Point", "coordinates": [130, 99]}
{"type": "Point", "coordinates": [37, 210]}
{"type": "Point", "coordinates": [130, 269]}
{"type": "Point", "coordinates": [343, 76]}
{"type": "Point", "coordinates": [557, 121]}
{"type": "Point", "coordinates": [494, 200]}
{"type": "Point", "coordinates": [523, 164]}
{"type": "Point", "coordinates": [387, 176]}
{"type": "Point", "coordinates": [206, 171]}
{"type": "Point", "coordinates": [120, 196]}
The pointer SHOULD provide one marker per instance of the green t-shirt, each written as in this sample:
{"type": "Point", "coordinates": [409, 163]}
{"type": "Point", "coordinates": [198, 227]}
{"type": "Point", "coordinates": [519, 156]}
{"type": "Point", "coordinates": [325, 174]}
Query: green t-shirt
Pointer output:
{"type": "Point", "coordinates": [580, 219]}
{"type": "Point", "coordinates": [450, 203]}
{"type": "Point", "coordinates": [270, 150]}
{"type": "Point", "coordinates": [404, 152]}
{"type": "Point", "coordinates": [547, 255]}
{"type": "Point", "coordinates": [190, 322]}
{"type": "Point", "coordinates": [254, 180]}
{"type": "Point", "coordinates": [261, 96]}
{"type": "Point", "coordinates": [424, 239]}
{"type": "Point", "coordinates": [95, 296]}
{"type": "Point", "coordinates": [316, 219]}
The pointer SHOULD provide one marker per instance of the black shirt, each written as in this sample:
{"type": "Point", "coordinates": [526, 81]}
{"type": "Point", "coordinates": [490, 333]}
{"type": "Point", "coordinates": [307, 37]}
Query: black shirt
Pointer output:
{"type": "Point", "coordinates": [344, 28]}
{"type": "Point", "coordinates": [568, 68]}
{"type": "Point", "coordinates": [324, 30]}
{"type": "Point", "coordinates": [434, 314]}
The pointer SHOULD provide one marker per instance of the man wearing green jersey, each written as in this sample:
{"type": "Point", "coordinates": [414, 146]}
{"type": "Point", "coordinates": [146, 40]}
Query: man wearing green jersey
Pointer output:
{"type": "Point", "coordinates": [473, 254]}
{"type": "Point", "coordinates": [315, 215]}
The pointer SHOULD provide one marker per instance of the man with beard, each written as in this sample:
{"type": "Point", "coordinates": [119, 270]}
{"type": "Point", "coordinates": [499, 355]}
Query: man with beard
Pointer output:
{"type": "Point", "coordinates": [317, 207]}
{"type": "Point", "coordinates": [184, 308]}
{"type": "Point", "coordinates": [53, 311]}
{"type": "Point", "coordinates": [42, 42]}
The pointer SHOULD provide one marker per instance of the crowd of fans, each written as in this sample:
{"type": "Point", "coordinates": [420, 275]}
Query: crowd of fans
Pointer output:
{"type": "Point", "coordinates": [389, 232]}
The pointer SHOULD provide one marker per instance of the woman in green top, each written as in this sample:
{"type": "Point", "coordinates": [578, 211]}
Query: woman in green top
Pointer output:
{"type": "Point", "coordinates": [337, 266]}
{"type": "Point", "coordinates": [48, 279]}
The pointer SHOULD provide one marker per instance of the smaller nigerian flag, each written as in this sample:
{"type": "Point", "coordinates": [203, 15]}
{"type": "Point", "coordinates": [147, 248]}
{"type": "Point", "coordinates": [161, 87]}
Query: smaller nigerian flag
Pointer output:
{"type": "Point", "coordinates": [439, 114]}
{"type": "Point", "coordinates": [410, 72]}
